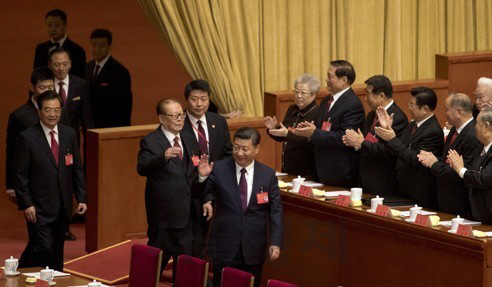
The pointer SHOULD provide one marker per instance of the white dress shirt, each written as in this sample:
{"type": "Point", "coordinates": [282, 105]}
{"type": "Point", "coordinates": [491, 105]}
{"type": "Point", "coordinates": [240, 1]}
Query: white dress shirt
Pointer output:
{"type": "Point", "coordinates": [170, 137]}
{"type": "Point", "coordinates": [65, 85]}
{"type": "Point", "coordinates": [423, 121]}
{"type": "Point", "coordinates": [47, 131]}
{"type": "Point", "coordinates": [337, 96]}
{"type": "Point", "coordinates": [100, 64]}
{"type": "Point", "coordinates": [250, 171]}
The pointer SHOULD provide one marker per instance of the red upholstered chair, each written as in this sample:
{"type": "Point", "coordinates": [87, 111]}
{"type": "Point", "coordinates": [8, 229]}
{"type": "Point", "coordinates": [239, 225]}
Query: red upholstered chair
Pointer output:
{"type": "Point", "coordinates": [276, 283]}
{"type": "Point", "coordinates": [191, 272]}
{"type": "Point", "coordinates": [236, 278]}
{"type": "Point", "coordinates": [145, 266]}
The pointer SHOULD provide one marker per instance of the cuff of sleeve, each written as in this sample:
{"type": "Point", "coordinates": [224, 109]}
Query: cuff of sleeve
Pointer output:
{"type": "Point", "coordinates": [202, 178]}
{"type": "Point", "coordinates": [462, 172]}
{"type": "Point", "coordinates": [10, 191]}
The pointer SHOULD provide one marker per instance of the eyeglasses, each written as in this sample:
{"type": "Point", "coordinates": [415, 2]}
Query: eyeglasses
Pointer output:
{"type": "Point", "coordinates": [48, 111]}
{"type": "Point", "coordinates": [176, 116]}
{"type": "Point", "coordinates": [304, 94]}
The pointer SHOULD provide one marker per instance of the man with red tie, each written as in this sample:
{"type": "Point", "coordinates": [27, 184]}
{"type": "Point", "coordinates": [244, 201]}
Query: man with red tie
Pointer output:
{"type": "Point", "coordinates": [48, 172]}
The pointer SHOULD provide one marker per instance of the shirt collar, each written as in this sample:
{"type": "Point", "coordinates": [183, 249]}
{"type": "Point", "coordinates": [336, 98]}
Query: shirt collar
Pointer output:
{"type": "Point", "coordinates": [47, 130]}
{"type": "Point", "coordinates": [458, 130]}
{"type": "Point", "coordinates": [249, 168]}
{"type": "Point", "coordinates": [34, 102]}
{"type": "Point", "coordinates": [65, 82]}
{"type": "Point", "coordinates": [61, 41]}
{"type": "Point", "coordinates": [388, 105]}
{"type": "Point", "coordinates": [337, 95]}
{"type": "Point", "coordinates": [193, 120]}
{"type": "Point", "coordinates": [487, 147]}
{"type": "Point", "coordinates": [103, 62]}
{"type": "Point", "coordinates": [424, 120]}
{"type": "Point", "coordinates": [169, 135]}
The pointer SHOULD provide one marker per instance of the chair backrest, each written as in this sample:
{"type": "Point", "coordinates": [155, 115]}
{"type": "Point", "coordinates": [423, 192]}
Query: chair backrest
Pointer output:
{"type": "Point", "coordinates": [145, 266]}
{"type": "Point", "coordinates": [236, 278]}
{"type": "Point", "coordinates": [191, 272]}
{"type": "Point", "coordinates": [276, 283]}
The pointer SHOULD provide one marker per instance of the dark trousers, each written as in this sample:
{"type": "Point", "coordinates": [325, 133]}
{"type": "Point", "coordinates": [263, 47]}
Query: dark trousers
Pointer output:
{"type": "Point", "coordinates": [237, 263]}
{"type": "Point", "coordinates": [46, 244]}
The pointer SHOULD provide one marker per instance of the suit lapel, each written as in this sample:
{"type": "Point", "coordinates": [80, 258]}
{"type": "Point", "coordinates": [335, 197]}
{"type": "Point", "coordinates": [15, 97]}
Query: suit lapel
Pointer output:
{"type": "Point", "coordinates": [212, 133]}
{"type": "Point", "coordinates": [234, 182]}
{"type": "Point", "coordinates": [187, 141]}
{"type": "Point", "coordinates": [62, 146]}
{"type": "Point", "coordinates": [422, 127]}
{"type": "Point", "coordinates": [256, 182]}
{"type": "Point", "coordinates": [43, 141]}
{"type": "Point", "coordinates": [339, 102]}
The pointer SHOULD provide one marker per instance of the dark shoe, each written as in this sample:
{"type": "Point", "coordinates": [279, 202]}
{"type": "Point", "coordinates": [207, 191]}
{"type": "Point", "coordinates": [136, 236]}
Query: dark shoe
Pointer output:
{"type": "Point", "coordinates": [69, 236]}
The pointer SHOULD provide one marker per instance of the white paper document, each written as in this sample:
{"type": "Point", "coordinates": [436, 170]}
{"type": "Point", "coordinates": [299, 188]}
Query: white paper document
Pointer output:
{"type": "Point", "coordinates": [337, 193]}
{"type": "Point", "coordinates": [466, 222]}
{"type": "Point", "coordinates": [277, 173]}
{"type": "Point", "coordinates": [37, 274]}
{"type": "Point", "coordinates": [423, 212]}
{"type": "Point", "coordinates": [102, 285]}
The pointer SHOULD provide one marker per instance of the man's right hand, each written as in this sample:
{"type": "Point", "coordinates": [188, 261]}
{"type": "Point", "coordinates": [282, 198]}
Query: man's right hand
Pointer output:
{"type": "Point", "coordinates": [208, 210]}
{"type": "Point", "coordinates": [30, 214]}
{"type": "Point", "coordinates": [12, 196]}
{"type": "Point", "coordinates": [172, 152]}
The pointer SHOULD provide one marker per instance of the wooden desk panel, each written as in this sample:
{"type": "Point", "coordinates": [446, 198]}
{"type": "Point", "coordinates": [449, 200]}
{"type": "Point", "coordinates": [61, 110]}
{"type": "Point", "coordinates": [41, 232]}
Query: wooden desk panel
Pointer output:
{"type": "Point", "coordinates": [116, 206]}
{"type": "Point", "coordinates": [327, 245]}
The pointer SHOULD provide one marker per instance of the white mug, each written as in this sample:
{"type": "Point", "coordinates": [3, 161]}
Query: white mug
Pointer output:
{"type": "Point", "coordinates": [47, 274]}
{"type": "Point", "coordinates": [11, 265]}
{"type": "Point", "coordinates": [355, 193]}
{"type": "Point", "coordinates": [297, 182]}
{"type": "Point", "coordinates": [94, 284]}
{"type": "Point", "coordinates": [455, 222]}
{"type": "Point", "coordinates": [414, 211]}
{"type": "Point", "coordinates": [375, 202]}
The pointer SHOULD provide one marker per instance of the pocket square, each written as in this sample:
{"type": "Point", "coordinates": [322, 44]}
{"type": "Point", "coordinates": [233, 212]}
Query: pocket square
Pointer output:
{"type": "Point", "coordinates": [104, 84]}
{"type": "Point", "coordinates": [76, 99]}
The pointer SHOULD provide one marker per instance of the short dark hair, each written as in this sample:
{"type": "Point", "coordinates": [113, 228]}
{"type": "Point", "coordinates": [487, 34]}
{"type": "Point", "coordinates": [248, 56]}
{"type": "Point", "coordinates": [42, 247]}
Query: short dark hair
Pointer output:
{"type": "Point", "coordinates": [425, 96]}
{"type": "Point", "coordinates": [57, 13]}
{"type": "Point", "coordinates": [197, 85]}
{"type": "Point", "coordinates": [246, 133]}
{"type": "Point", "coordinates": [158, 107]}
{"type": "Point", "coordinates": [58, 51]}
{"type": "Point", "coordinates": [381, 84]}
{"type": "Point", "coordinates": [48, 95]}
{"type": "Point", "coordinates": [102, 33]}
{"type": "Point", "coordinates": [344, 68]}
{"type": "Point", "coordinates": [41, 74]}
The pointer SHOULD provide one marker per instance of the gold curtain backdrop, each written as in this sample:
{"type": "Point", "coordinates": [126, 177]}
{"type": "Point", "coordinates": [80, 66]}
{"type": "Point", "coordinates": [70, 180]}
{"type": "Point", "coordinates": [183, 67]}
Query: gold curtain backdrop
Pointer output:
{"type": "Point", "coordinates": [246, 47]}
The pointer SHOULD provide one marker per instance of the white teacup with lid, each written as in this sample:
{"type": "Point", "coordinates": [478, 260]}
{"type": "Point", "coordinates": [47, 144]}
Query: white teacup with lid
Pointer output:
{"type": "Point", "coordinates": [414, 211]}
{"type": "Point", "coordinates": [356, 193]}
{"type": "Point", "coordinates": [47, 274]}
{"type": "Point", "coordinates": [297, 182]}
{"type": "Point", "coordinates": [11, 265]}
{"type": "Point", "coordinates": [94, 284]}
{"type": "Point", "coordinates": [375, 201]}
{"type": "Point", "coordinates": [455, 222]}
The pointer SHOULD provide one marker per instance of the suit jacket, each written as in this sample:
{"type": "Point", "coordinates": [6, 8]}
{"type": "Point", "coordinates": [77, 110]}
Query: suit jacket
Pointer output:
{"type": "Point", "coordinates": [479, 181]}
{"type": "Point", "coordinates": [452, 194]}
{"type": "Point", "coordinates": [377, 165]}
{"type": "Point", "coordinates": [110, 94]}
{"type": "Point", "coordinates": [76, 111]}
{"type": "Point", "coordinates": [231, 227]}
{"type": "Point", "coordinates": [77, 54]}
{"type": "Point", "coordinates": [414, 180]}
{"type": "Point", "coordinates": [24, 117]}
{"type": "Point", "coordinates": [337, 164]}
{"type": "Point", "coordinates": [169, 201]}
{"type": "Point", "coordinates": [39, 182]}
{"type": "Point", "coordinates": [219, 138]}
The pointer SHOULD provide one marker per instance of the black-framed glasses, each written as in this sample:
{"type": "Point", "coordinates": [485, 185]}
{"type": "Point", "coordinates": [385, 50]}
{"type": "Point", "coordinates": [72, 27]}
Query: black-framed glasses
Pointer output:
{"type": "Point", "coordinates": [176, 116]}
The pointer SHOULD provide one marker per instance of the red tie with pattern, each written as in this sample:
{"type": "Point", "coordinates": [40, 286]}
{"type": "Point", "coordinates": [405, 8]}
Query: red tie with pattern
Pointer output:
{"type": "Point", "coordinates": [176, 144]}
{"type": "Point", "coordinates": [54, 146]}
{"type": "Point", "coordinates": [328, 103]}
{"type": "Point", "coordinates": [202, 140]}
{"type": "Point", "coordinates": [243, 189]}
{"type": "Point", "coordinates": [62, 92]}
{"type": "Point", "coordinates": [453, 137]}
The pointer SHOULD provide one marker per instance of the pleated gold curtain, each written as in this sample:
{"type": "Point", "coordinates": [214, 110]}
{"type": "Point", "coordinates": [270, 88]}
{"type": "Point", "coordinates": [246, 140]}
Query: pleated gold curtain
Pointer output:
{"type": "Point", "coordinates": [246, 47]}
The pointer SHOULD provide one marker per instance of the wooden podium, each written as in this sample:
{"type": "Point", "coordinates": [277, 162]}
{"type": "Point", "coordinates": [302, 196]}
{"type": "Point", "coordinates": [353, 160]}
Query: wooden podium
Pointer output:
{"type": "Point", "coordinates": [116, 207]}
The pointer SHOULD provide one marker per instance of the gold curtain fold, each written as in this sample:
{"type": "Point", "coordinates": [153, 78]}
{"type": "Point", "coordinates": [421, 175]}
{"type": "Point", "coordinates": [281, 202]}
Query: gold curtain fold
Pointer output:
{"type": "Point", "coordinates": [246, 47]}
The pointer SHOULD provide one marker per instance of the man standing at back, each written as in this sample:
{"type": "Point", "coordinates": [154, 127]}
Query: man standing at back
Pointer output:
{"type": "Point", "coordinates": [47, 172]}
{"type": "Point", "coordinates": [110, 84]}
{"type": "Point", "coordinates": [56, 21]}
{"type": "Point", "coordinates": [247, 204]}
{"type": "Point", "coordinates": [336, 163]}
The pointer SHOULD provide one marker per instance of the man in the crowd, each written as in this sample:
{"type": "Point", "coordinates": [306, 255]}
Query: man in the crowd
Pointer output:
{"type": "Point", "coordinates": [169, 160]}
{"type": "Point", "coordinates": [24, 117]}
{"type": "Point", "coordinates": [478, 178]}
{"type": "Point", "coordinates": [48, 171]}
{"type": "Point", "coordinates": [375, 162]}
{"type": "Point", "coordinates": [414, 181]}
{"type": "Point", "coordinates": [110, 84]}
{"type": "Point", "coordinates": [483, 95]}
{"type": "Point", "coordinates": [336, 164]}
{"type": "Point", "coordinates": [247, 209]}
{"type": "Point", "coordinates": [297, 151]}
{"type": "Point", "coordinates": [56, 21]}
{"type": "Point", "coordinates": [76, 110]}
{"type": "Point", "coordinates": [452, 194]}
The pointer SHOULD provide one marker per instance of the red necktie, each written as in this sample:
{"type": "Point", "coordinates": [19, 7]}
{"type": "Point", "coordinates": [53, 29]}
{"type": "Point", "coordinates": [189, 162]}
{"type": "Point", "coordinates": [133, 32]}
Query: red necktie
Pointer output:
{"type": "Point", "coordinates": [374, 122]}
{"type": "Point", "coordinates": [328, 103]}
{"type": "Point", "coordinates": [414, 128]}
{"type": "Point", "coordinates": [202, 140]}
{"type": "Point", "coordinates": [243, 189]}
{"type": "Point", "coordinates": [176, 144]}
{"type": "Point", "coordinates": [54, 146]}
{"type": "Point", "coordinates": [62, 92]}
{"type": "Point", "coordinates": [453, 137]}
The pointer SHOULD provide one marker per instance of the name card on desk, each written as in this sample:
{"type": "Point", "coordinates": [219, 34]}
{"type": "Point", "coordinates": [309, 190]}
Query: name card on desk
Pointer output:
{"type": "Point", "coordinates": [2, 273]}
{"type": "Point", "coordinates": [42, 283]}
{"type": "Point", "coordinates": [383, 210]}
{"type": "Point", "coordinates": [423, 220]}
{"type": "Point", "coordinates": [465, 230]}
{"type": "Point", "coordinates": [343, 200]}
{"type": "Point", "coordinates": [306, 191]}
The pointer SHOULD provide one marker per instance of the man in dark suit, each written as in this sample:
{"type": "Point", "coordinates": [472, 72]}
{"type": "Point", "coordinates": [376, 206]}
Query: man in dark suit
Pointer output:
{"type": "Point", "coordinates": [336, 164]}
{"type": "Point", "coordinates": [375, 162]}
{"type": "Point", "coordinates": [110, 84]}
{"type": "Point", "coordinates": [414, 181]}
{"type": "Point", "coordinates": [169, 160]}
{"type": "Point", "coordinates": [246, 199]}
{"type": "Point", "coordinates": [452, 194]}
{"type": "Point", "coordinates": [76, 111]}
{"type": "Point", "coordinates": [47, 172]}
{"type": "Point", "coordinates": [56, 21]}
{"type": "Point", "coordinates": [478, 178]}
{"type": "Point", "coordinates": [24, 117]}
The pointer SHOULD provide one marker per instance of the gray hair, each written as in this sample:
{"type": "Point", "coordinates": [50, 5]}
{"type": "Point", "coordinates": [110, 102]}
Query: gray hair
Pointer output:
{"type": "Point", "coordinates": [486, 116]}
{"type": "Point", "coordinates": [461, 101]}
{"type": "Point", "coordinates": [309, 79]}
{"type": "Point", "coordinates": [485, 82]}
